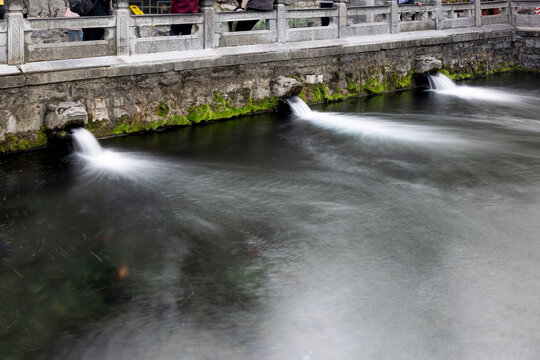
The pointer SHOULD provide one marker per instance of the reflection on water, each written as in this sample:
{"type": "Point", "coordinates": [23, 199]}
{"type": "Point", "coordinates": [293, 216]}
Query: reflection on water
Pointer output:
{"type": "Point", "coordinates": [274, 238]}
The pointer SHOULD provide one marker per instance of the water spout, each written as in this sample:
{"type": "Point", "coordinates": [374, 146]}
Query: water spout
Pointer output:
{"type": "Point", "coordinates": [367, 126]}
{"type": "Point", "coordinates": [85, 143]}
{"type": "Point", "coordinates": [296, 106]}
{"type": "Point", "coordinates": [443, 85]}
{"type": "Point", "coordinates": [441, 82]}
{"type": "Point", "coordinates": [105, 163]}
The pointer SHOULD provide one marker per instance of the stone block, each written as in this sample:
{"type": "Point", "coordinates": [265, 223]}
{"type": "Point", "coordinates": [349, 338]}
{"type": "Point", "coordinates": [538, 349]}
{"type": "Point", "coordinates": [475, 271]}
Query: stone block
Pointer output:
{"type": "Point", "coordinates": [285, 86]}
{"type": "Point", "coordinates": [314, 79]}
{"type": "Point", "coordinates": [64, 114]}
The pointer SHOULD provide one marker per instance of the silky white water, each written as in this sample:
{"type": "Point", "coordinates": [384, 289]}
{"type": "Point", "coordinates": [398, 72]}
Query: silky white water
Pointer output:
{"type": "Point", "coordinates": [276, 238]}
{"type": "Point", "coordinates": [298, 106]}
{"type": "Point", "coordinates": [99, 163]}
{"type": "Point", "coordinates": [372, 126]}
{"type": "Point", "coordinates": [443, 85]}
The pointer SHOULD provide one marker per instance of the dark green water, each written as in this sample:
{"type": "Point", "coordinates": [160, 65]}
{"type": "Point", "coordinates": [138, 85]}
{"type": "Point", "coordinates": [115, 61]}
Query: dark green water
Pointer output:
{"type": "Point", "coordinates": [403, 226]}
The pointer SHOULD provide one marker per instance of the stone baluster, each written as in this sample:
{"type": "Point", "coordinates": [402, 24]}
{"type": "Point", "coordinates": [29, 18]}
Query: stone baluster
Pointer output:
{"type": "Point", "coordinates": [342, 18]}
{"type": "Point", "coordinates": [510, 13]}
{"type": "Point", "coordinates": [281, 21]}
{"type": "Point", "coordinates": [439, 14]}
{"type": "Point", "coordinates": [370, 18]}
{"type": "Point", "coordinates": [394, 17]}
{"type": "Point", "coordinates": [477, 13]}
{"type": "Point", "coordinates": [207, 8]}
{"type": "Point", "coordinates": [122, 14]}
{"type": "Point", "coordinates": [15, 32]}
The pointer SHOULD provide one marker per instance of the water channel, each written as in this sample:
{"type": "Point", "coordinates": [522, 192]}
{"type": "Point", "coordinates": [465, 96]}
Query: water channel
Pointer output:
{"type": "Point", "coordinates": [403, 226]}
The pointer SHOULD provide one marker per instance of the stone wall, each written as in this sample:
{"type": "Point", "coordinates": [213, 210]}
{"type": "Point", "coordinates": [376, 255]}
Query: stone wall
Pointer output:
{"type": "Point", "coordinates": [144, 96]}
{"type": "Point", "coordinates": [528, 48]}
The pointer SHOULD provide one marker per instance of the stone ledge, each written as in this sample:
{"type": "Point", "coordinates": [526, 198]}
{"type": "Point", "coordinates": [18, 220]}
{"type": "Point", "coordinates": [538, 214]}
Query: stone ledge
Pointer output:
{"type": "Point", "coordinates": [115, 66]}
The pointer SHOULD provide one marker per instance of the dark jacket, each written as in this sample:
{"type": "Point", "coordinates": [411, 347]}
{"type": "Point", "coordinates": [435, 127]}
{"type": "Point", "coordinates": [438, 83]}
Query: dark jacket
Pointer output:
{"type": "Point", "coordinates": [102, 8]}
{"type": "Point", "coordinates": [264, 5]}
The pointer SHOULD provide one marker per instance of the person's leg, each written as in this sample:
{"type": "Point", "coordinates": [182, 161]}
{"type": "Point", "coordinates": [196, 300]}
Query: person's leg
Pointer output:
{"type": "Point", "coordinates": [325, 4]}
{"type": "Point", "coordinates": [185, 29]}
{"type": "Point", "coordinates": [93, 34]}
{"type": "Point", "coordinates": [80, 35]}
{"type": "Point", "coordinates": [175, 30]}
{"type": "Point", "coordinates": [71, 35]}
{"type": "Point", "coordinates": [182, 29]}
{"type": "Point", "coordinates": [246, 25]}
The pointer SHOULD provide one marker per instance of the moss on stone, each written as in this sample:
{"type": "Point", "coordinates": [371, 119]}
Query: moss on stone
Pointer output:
{"type": "Point", "coordinates": [352, 86]}
{"type": "Point", "coordinates": [481, 70]}
{"type": "Point", "coordinates": [403, 83]}
{"type": "Point", "coordinates": [13, 143]}
{"type": "Point", "coordinates": [319, 93]}
{"type": "Point", "coordinates": [162, 109]}
{"type": "Point", "coordinates": [375, 87]}
{"type": "Point", "coordinates": [219, 109]}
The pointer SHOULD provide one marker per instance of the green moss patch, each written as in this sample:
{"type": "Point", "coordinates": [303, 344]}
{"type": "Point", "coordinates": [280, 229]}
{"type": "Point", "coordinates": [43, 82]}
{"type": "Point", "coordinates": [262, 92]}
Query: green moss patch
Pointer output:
{"type": "Point", "coordinates": [13, 143]}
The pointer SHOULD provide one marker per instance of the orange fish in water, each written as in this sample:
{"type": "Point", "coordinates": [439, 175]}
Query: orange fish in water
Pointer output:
{"type": "Point", "coordinates": [123, 271]}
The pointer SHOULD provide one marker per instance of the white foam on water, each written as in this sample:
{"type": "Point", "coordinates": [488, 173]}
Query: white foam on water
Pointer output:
{"type": "Point", "coordinates": [443, 85]}
{"type": "Point", "coordinates": [375, 127]}
{"type": "Point", "coordinates": [105, 163]}
{"type": "Point", "coordinates": [298, 106]}
{"type": "Point", "coordinates": [367, 126]}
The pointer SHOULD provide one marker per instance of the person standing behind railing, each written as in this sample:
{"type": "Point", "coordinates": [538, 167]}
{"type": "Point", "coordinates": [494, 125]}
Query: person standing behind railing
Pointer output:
{"type": "Point", "coordinates": [409, 2]}
{"type": "Point", "coordinates": [325, 4]}
{"type": "Point", "coordinates": [73, 34]}
{"type": "Point", "coordinates": [250, 5]}
{"type": "Point", "coordinates": [182, 7]}
{"type": "Point", "coordinates": [101, 8]}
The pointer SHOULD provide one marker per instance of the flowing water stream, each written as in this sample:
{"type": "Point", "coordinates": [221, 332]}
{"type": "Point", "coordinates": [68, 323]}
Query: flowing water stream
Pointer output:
{"type": "Point", "coordinates": [402, 226]}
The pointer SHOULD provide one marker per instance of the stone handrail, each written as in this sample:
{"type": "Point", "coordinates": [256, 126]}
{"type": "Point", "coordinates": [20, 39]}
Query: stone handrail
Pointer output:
{"type": "Point", "coordinates": [522, 13]}
{"type": "Point", "coordinates": [124, 35]}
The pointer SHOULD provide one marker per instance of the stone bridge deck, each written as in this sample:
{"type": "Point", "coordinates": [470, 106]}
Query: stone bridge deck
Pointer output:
{"type": "Point", "coordinates": [46, 72]}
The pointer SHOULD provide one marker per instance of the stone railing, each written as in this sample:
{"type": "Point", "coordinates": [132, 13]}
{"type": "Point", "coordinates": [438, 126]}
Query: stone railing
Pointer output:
{"type": "Point", "coordinates": [127, 34]}
{"type": "Point", "coordinates": [523, 13]}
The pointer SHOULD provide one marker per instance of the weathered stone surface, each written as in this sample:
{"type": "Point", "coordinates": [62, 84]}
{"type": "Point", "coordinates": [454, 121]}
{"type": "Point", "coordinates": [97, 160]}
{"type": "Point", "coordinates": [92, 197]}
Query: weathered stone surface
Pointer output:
{"type": "Point", "coordinates": [8, 124]}
{"type": "Point", "coordinates": [65, 114]}
{"type": "Point", "coordinates": [426, 64]}
{"type": "Point", "coordinates": [46, 8]}
{"type": "Point", "coordinates": [133, 88]}
{"type": "Point", "coordinates": [285, 86]}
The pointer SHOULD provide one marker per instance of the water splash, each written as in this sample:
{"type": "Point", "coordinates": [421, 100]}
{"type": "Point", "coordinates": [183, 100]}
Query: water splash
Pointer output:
{"type": "Point", "coordinates": [367, 126]}
{"type": "Point", "coordinates": [443, 85]}
{"type": "Point", "coordinates": [378, 128]}
{"type": "Point", "coordinates": [105, 163]}
{"type": "Point", "coordinates": [298, 106]}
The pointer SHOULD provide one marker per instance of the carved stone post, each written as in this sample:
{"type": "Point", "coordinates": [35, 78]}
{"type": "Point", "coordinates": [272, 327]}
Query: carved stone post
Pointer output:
{"type": "Point", "coordinates": [15, 32]}
{"type": "Point", "coordinates": [394, 17]}
{"type": "Point", "coordinates": [438, 15]}
{"type": "Point", "coordinates": [477, 13]}
{"type": "Point", "coordinates": [281, 21]}
{"type": "Point", "coordinates": [342, 18]}
{"type": "Point", "coordinates": [370, 18]}
{"type": "Point", "coordinates": [510, 13]}
{"type": "Point", "coordinates": [122, 27]}
{"type": "Point", "coordinates": [207, 8]}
